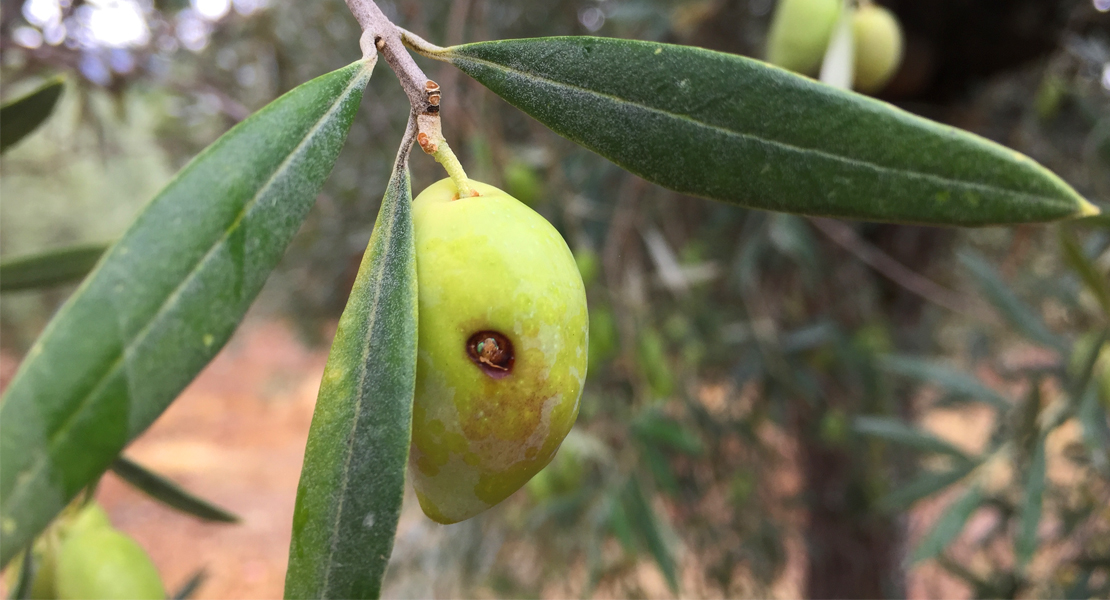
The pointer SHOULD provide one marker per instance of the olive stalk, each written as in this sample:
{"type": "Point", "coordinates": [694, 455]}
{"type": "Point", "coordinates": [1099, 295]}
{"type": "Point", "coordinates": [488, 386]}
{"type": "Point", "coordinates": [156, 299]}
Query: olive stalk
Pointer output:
{"type": "Point", "coordinates": [379, 34]}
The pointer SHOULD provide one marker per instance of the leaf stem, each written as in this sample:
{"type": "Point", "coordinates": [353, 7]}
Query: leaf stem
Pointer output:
{"type": "Point", "coordinates": [379, 34]}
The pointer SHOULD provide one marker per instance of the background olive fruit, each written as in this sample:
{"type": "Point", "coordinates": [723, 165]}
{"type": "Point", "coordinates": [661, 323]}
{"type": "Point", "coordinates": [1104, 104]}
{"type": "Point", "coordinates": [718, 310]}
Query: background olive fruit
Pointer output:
{"type": "Point", "coordinates": [45, 550]}
{"type": "Point", "coordinates": [800, 32]}
{"type": "Point", "coordinates": [878, 47]}
{"type": "Point", "coordinates": [501, 348]}
{"type": "Point", "coordinates": [103, 563]}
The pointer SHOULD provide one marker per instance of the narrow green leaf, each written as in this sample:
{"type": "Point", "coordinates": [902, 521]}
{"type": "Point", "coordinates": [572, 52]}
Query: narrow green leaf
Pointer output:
{"type": "Point", "coordinates": [950, 524]}
{"type": "Point", "coordinates": [169, 493]}
{"type": "Point", "coordinates": [23, 115]}
{"type": "Point", "coordinates": [738, 130]}
{"type": "Point", "coordinates": [924, 485]}
{"type": "Point", "coordinates": [935, 373]}
{"type": "Point", "coordinates": [1096, 430]}
{"type": "Point", "coordinates": [1084, 359]}
{"type": "Point", "coordinates": [660, 468]}
{"type": "Point", "coordinates": [619, 523]}
{"type": "Point", "coordinates": [1029, 513]}
{"type": "Point", "coordinates": [164, 300]}
{"type": "Point", "coordinates": [1096, 282]}
{"type": "Point", "coordinates": [190, 586]}
{"type": "Point", "coordinates": [646, 523]}
{"type": "Point", "coordinates": [353, 479]}
{"type": "Point", "coordinates": [23, 585]}
{"type": "Point", "coordinates": [1019, 315]}
{"type": "Point", "coordinates": [898, 432]}
{"type": "Point", "coordinates": [652, 426]}
{"type": "Point", "coordinates": [50, 268]}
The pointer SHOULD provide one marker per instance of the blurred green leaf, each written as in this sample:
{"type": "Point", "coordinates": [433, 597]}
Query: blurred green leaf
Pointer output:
{"type": "Point", "coordinates": [734, 129]}
{"type": "Point", "coordinates": [894, 430]}
{"type": "Point", "coordinates": [646, 523]}
{"type": "Point", "coordinates": [620, 525]}
{"type": "Point", "coordinates": [1019, 315]}
{"type": "Point", "coordinates": [23, 115]}
{"type": "Point", "coordinates": [22, 588]}
{"type": "Point", "coordinates": [1085, 358]}
{"type": "Point", "coordinates": [653, 426]}
{"type": "Point", "coordinates": [953, 380]}
{"type": "Point", "coordinates": [651, 354]}
{"type": "Point", "coordinates": [950, 524]}
{"type": "Point", "coordinates": [50, 268]}
{"type": "Point", "coordinates": [924, 485]}
{"type": "Point", "coordinates": [169, 493]}
{"type": "Point", "coordinates": [190, 586]}
{"type": "Point", "coordinates": [353, 479]}
{"type": "Point", "coordinates": [1096, 430]}
{"type": "Point", "coordinates": [791, 236]}
{"type": "Point", "coordinates": [164, 300]}
{"type": "Point", "coordinates": [660, 469]}
{"type": "Point", "coordinates": [1083, 266]}
{"type": "Point", "coordinates": [1079, 588]}
{"type": "Point", "coordinates": [1029, 513]}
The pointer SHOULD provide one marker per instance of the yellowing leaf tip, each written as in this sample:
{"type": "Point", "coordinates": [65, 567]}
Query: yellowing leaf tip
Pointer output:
{"type": "Point", "coordinates": [1086, 209]}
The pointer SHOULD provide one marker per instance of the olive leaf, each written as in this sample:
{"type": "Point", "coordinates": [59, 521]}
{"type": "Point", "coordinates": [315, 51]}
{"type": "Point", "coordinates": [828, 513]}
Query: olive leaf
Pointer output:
{"type": "Point", "coordinates": [949, 526]}
{"type": "Point", "coordinates": [49, 268]}
{"type": "Point", "coordinates": [22, 588]}
{"type": "Point", "coordinates": [650, 529]}
{"type": "Point", "coordinates": [23, 115]}
{"type": "Point", "coordinates": [189, 588]}
{"type": "Point", "coordinates": [955, 381]}
{"type": "Point", "coordinates": [353, 478]}
{"type": "Point", "coordinates": [168, 492]}
{"type": "Point", "coordinates": [1025, 542]}
{"type": "Point", "coordinates": [1022, 317]}
{"type": "Point", "coordinates": [924, 485]}
{"type": "Point", "coordinates": [1088, 272]}
{"type": "Point", "coordinates": [898, 432]}
{"type": "Point", "coordinates": [164, 300]}
{"type": "Point", "coordinates": [738, 130]}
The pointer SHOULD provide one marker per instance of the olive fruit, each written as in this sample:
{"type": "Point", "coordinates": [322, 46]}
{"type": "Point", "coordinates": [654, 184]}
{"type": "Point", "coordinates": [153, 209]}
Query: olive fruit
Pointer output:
{"type": "Point", "coordinates": [878, 47]}
{"type": "Point", "coordinates": [501, 351]}
{"type": "Point", "coordinates": [103, 563]}
{"type": "Point", "coordinates": [45, 550]}
{"type": "Point", "coordinates": [800, 32]}
{"type": "Point", "coordinates": [91, 516]}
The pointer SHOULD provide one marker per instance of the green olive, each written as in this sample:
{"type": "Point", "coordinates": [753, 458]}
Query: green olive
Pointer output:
{"type": "Point", "coordinates": [45, 550]}
{"type": "Point", "coordinates": [878, 47]}
{"type": "Point", "coordinates": [501, 353]}
{"type": "Point", "coordinates": [103, 563]}
{"type": "Point", "coordinates": [800, 32]}
{"type": "Point", "coordinates": [90, 516]}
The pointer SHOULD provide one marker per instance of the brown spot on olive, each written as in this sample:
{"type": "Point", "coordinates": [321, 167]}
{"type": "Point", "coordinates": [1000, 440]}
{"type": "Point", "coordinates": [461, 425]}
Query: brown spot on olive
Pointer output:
{"type": "Point", "coordinates": [492, 352]}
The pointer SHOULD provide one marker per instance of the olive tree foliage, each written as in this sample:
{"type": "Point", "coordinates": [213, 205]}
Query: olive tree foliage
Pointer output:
{"type": "Point", "coordinates": [712, 325]}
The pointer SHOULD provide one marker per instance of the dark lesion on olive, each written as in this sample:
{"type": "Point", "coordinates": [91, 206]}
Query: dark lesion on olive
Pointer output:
{"type": "Point", "coordinates": [492, 352]}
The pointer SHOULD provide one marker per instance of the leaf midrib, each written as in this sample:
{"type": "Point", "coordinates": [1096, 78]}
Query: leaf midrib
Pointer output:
{"type": "Point", "coordinates": [747, 136]}
{"type": "Point", "coordinates": [40, 462]}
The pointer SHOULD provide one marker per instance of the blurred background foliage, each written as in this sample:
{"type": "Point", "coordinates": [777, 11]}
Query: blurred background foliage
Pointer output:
{"type": "Point", "coordinates": [776, 405]}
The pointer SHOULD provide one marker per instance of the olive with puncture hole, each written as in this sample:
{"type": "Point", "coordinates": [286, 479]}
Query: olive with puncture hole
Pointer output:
{"type": "Point", "coordinates": [501, 348]}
